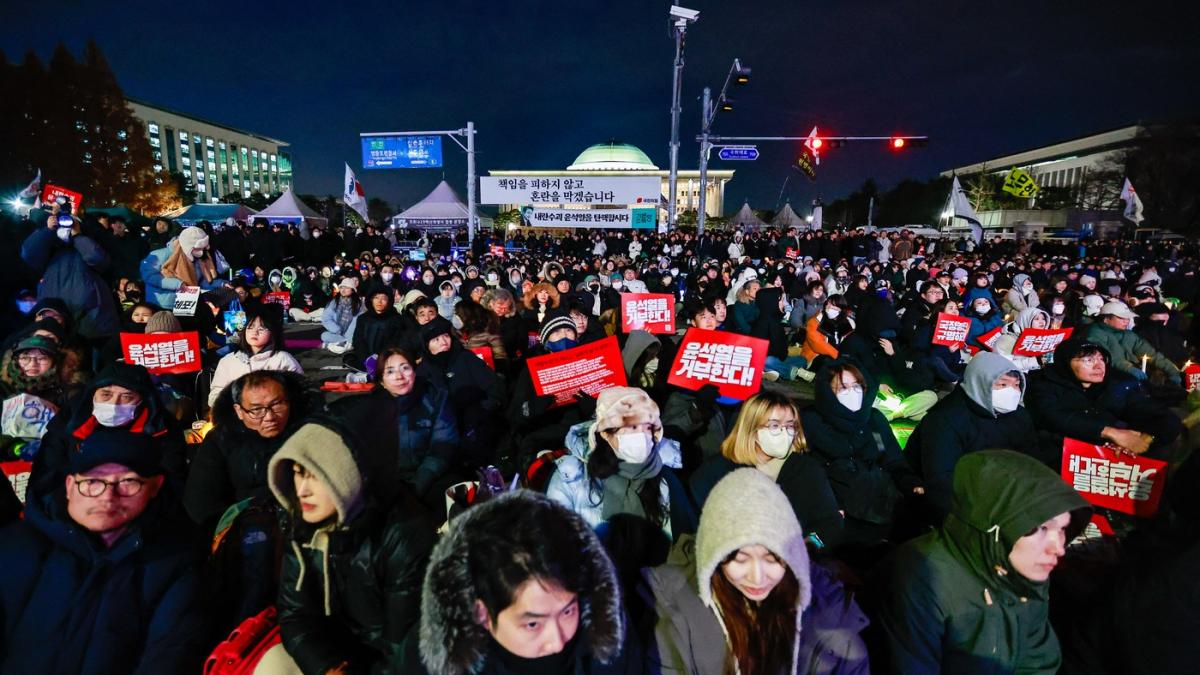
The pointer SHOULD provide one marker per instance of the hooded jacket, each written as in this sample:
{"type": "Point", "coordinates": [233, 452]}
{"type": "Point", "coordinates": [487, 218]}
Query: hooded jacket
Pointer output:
{"type": "Point", "coordinates": [375, 331]}
{"type": "Point", "coordinates": [1007, 340]}
{"type": "Point", "coordinates": [453, 643]}
{"type": "Point", "coordinates": [860, 454]}
{"type": "Point", "coordinates": [160, 289]}
{"type": "Point", "coordinates": [349, 591]}
{"type": "Point", "coordinates": [746, 508]}
{"type": "Point", "coordinates": [981, 325]}
{"type": "Point", "coordinates": [71, 271]}
{"type": "Point", "coordinates": [769, 323]}
{"type": "Point", "coordinates": [952, 602]}
{"type": "Point", "coordinates": [476, 393]}
{"type": "Point", "coordinates": [1017, 299]}
{"type": "Point", "coordinates": [71, 605]}
{"type": "Point", "coordinates": [965, 422]}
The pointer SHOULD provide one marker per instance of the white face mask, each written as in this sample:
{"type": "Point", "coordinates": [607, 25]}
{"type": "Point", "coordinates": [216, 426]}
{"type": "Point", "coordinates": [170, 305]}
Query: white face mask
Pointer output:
{"type": "Point", "coordinates": [777, 446]}
{"type": "Point", "coordinates": [1058, 308]}
{"type": "Point", "coordinates": [851, 398]}
{"type": "Point", "coordinates": [387, 277]}
{"type": "Point", "coordinates": [1005, 400]}
{"type": "Point", "coordinates": [833, 312]}
{"type": "Point", "coordinates": [982, 308]}
{"type": "Point", "coordinates": [113, 414]}
{"type": "Point", "coordinates": [632, 448]}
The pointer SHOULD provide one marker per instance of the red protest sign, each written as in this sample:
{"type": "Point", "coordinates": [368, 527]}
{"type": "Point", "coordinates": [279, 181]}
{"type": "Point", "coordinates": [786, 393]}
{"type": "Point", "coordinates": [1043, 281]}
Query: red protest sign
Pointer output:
{"type": "Point", "coordinates": [589, 368]}
{"type": "Point", "coordinates": [282, 298]}
{"type": "Point", "coordinates": [989, 338]}
{"type": "Point", "coordinates": [651, 312]}
{"type": "Point", "coordinates": [734, 363]}
{"type": "Point", "coordinates": [17, 474]}
{"type": "Point", "coordinates": [163, 352]}
{"type": "Point", "coordinates": [52, 192]}
{"type": "Point", "coordinates": [950, 330]}
{"type": "Point", "coordinates": [791, 253]}
{"type": "Point", "coordinates": [484, 353]}
{"type": "Point", "coordinates": [1191, 377]}
{"type": "Point", "coordinates": [1124, 483]}
{"type": "Point", "coordinates": [1038, 341]}
{"type": "Point", "coordinates": [497, 250]}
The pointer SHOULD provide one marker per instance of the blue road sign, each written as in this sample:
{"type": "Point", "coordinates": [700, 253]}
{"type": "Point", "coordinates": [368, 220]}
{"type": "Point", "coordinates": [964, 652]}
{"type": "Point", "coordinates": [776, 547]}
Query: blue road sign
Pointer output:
{"type": "Point", "coordinates": [747, 153]}
{"type": "Point", "coordinates": [401, 152]}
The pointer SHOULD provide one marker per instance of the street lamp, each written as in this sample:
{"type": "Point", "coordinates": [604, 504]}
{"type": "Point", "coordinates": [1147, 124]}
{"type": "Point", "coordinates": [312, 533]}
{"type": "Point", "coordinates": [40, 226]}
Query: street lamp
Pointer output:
{"type": "Point", "coordinates": [680, 18]}
{"type": "Point", "coordinates": [738, 75]}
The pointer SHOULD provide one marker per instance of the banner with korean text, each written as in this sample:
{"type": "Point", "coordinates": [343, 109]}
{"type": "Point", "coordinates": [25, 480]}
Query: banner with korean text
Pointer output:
{"type": "Point", "coordinates": [589, 368]}
{"type": "Point", "coordinates": [1112, 480]}
{"type": "Point", "coordinates": [637, 218]}
{"type": "Point", "coordinates": [163, 352]}
{"type": "Point", "coordinates": [610, 190]}
{"type": "Point", "coordinates": [651, 312]}
{"type": "Point", "coordinates": [1038, 341]}
{"type": "Point", "coordinates": [734, 363]}
{"type": "Point", "coordinates": [951, 330]}
{"type": "Point", "coordinates": [281, 298]}
{"type": "Point", "coordinates": [1191, 377]}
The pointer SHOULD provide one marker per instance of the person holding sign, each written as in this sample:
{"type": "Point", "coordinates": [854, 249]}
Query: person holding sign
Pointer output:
{"type": "Point", "coordinates": [984, 315]}
{"type": "Point", "coordinates": [1082, 397]}
{"type": "Point", "coordinates": [186, 261]}
{"type": "Point", "coordinates": [1030, 317]}
{"type": "Point", "coordinates": [973, 595]}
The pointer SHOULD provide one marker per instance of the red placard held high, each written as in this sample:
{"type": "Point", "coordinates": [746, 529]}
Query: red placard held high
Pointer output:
{"type": "Point", "coordinates": [1038, 341]}
{"type": "Point", "coordinates": [950, 330]}
{"type": "Point", "coordinates": [734, 363]}
{"type": "Point", "coordinates": [589, 368]}
{"type": "Point", "coordinates": [651, 312]}
{"type": "Point", "coordinates": [163, 352]}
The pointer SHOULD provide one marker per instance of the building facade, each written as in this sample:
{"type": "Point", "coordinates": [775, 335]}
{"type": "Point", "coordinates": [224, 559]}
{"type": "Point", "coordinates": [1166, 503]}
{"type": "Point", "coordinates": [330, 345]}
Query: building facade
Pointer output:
{"type": "Point", "coordinates": [620, 159]}
{"type": "Point", "coordinates": [215, 159]}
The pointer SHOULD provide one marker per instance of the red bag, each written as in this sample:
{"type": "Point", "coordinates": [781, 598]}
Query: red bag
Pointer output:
{"type": "Point", "coordinates": [240, 653]}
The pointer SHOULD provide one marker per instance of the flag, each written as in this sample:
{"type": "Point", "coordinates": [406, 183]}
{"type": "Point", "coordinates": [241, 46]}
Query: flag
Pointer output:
{"type": "Point", "coordinates": [1020, 183]}
{"type": "Point", "coordinates": [1133, 204]}
{"type": "Point", "coordinates": [816, 216]}
{"type": "Point", "coordinates": [960, 207]}
{"type": "Point", "coordinates": [34, 189]}
{"type": "Point", "coordinates": [355, 198]}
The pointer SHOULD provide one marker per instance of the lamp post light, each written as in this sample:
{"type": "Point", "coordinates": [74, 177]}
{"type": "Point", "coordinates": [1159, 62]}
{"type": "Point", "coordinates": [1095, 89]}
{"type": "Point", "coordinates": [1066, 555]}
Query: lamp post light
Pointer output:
{"type": "Point", "coordinates": [680, 18]}
{"type": "Point", "coordinates": [738, 75]}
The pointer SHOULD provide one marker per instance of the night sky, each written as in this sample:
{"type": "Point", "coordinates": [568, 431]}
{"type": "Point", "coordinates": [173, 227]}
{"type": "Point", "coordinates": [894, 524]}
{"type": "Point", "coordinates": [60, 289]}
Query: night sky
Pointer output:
{"type": "Point", "coordinates": [543, 80]}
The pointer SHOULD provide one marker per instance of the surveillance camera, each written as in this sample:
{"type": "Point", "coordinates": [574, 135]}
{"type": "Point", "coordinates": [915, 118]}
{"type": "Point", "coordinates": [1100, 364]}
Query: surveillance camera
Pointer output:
{"type": "Point", "coordinates": [685, 13]}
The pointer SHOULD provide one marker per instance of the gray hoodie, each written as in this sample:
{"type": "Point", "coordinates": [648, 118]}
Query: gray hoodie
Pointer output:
{"type": "Point", "coordinates": [981, 374]}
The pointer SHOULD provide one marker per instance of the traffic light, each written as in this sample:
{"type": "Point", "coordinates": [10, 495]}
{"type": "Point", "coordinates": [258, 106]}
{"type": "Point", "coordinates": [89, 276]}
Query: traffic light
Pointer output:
{"type": "Point", "coordinates": [817, 143]}
{"type": "Point", "coordinates": [899, 142]}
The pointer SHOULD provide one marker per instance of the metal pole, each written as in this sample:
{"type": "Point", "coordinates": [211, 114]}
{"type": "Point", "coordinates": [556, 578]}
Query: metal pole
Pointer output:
{"type": "Point", "coordinates": [676, 91]}
{"type": "Point", "coordinates": [470, 183]}
{"type": "Point", "coordinates": [704, 126]}
{"type": "Point", "coordinates": [870, 210]}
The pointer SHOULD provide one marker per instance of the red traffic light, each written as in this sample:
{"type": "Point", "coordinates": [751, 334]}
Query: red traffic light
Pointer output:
{"type": "Point", "coordinates": [899, 143]}
{"type": "Point", "coordinates": [817, 143]}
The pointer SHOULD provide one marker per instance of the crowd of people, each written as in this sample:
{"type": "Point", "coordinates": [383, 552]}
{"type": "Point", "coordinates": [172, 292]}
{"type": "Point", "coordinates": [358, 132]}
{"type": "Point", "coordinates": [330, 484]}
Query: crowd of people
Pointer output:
{"type": "Point", "coordinates": [883, 503]}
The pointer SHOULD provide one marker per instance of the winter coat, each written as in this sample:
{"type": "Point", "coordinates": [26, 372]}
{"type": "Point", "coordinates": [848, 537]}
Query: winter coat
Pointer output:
{"type": "Point", "coordinates": [329, 318]}
{"type": "Point", "coordinates": [411, 439]}
{"type": "Point", "coordinates": [72, 272]}
{"type": "Point", "coordinates": [741, 317]}
{"type": "Point", "coordinates": [803, 482]}
{"type": "Point", "coordinates": [351, 592]}
{"type": "Point", "coordinates": [822, 337]}
{"type": "Point", "coordinates": [804, 308]}
{"type": "Point", "coordinates": [982, 325]}
{"type": "Point", "coordinates": [859, 452]}
{"type": "Point", "coordinates": [769, 323]}
{"type": "Point", "coordinates": [965, 422]}
{"type": "Point", "coordinates": [453, 643]}
{"type": "Point", "coordinates": [1016, 299]}
{"type": "Point", "coordinates": [374, 332]}
{"type": "Point", "coordinates": [572, 487]}
{"type": "Point", "coordinates": [161, 289]}
{"type": "Point", "coordinates": [236, 364]}
{"type": "Point", "coordinates": [70, 605]}
{"type": "Point", "coordinates": [951, 600]}
{"type": "Point", "coordinates": [476, 394]}
{"type": "Point", "coordinates": [1126, 349]}
{"type": "Point", "coordinates": [697, 423]}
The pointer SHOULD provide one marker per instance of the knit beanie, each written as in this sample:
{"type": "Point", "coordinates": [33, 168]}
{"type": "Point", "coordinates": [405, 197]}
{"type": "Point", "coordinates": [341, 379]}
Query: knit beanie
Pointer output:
{"type": "Point", "coordinates": [163, 322]}
{"type": "Point", "coordinates": [747, 508]}
{"type": "Point", "coordinates": [617, 407]}
{"type": "Point", "coordinates": [192, 238]}
{"type": "Point", "coordinates": [554, 322]}
{"type": "Point", "coordinates": [322, 452]}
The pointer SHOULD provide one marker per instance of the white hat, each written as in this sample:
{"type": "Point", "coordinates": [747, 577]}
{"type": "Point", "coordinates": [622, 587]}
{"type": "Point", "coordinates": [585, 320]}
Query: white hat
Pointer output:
{"type": "Point", "coordinates": [348, 282]}
{"type": "Point", "coordinates": [1118, 309]}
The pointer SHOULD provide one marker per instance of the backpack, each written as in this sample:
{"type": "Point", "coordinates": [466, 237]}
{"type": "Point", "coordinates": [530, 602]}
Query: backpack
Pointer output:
{"type": "Point", "coordinates": [241, 652]}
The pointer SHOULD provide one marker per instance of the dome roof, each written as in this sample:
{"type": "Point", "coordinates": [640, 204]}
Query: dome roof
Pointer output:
{"type": "Point", "coordinates": [612, 156]}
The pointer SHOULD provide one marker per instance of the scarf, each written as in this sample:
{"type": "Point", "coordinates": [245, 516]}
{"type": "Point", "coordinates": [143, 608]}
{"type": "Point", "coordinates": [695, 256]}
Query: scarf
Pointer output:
{"type": "Point", "coordinates": [621, 489]}
{"type": "Point", "coordinates": [343, 312]}
{"type": "Point", "coordinates": [178, 266]}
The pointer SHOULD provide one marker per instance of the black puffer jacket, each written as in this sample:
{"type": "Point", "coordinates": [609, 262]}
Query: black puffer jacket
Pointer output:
{"type": "Point", "coordinates": [769, 324]}
{"type": "Point", "coordinates": [476, 393]}
{"type": "Point", "coordinates": [374, 331]}
{"type": "Point", "coordinates": [860, 454]}
{"type": "Point", "coordinates": [350, 592]}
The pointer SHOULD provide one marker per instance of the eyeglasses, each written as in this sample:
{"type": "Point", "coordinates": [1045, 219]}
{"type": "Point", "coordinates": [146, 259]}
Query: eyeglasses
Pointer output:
{"type": "Point", "coordinates": [1093, 360]}
{"type": "Point", "coordinates": [276, 409]}
{"type": "Point", "coordinates": [258, 329]}
{"type": "Point", "coordinates": [95, 487]}
{"type": "Point", "coordinates": [775, 427]}
{"type": "Point", "coordinates": [30, 359]}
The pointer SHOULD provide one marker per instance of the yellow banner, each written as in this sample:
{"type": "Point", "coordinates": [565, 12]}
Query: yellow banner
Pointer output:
{"type": "Point", "coordinates": [1020, 183]}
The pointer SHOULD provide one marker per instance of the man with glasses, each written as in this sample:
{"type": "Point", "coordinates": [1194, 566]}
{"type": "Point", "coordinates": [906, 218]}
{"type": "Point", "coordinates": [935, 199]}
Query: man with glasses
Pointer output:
{"type": "Point", "coordinates": [1082, 396]}
{"type": "Point", "coordinates": [252, 417]}
{"type": "Point", "coordinates": [101, 575]}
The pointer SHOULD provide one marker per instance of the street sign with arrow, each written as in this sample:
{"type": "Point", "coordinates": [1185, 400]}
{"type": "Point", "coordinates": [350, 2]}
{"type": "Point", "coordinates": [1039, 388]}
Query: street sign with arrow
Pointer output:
{"type": "Point", "coordinates": [738, 152]}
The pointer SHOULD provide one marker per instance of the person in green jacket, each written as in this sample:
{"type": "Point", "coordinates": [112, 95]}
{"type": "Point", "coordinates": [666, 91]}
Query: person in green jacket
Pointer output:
{"type": "Point", "coordinates": [1113, 330]}
{"type": "Point", "coordinates": [972, 596]}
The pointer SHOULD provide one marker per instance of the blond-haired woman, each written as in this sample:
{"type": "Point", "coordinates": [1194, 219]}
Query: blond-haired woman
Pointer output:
{"type": "Point", "coordinates": [767, 436]}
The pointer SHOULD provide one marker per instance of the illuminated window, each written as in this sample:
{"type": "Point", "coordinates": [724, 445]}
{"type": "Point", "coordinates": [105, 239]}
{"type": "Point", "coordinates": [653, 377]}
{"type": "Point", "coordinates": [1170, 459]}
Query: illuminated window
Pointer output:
{"type": "Point", "coordinates": [157, 167]}
{"type": "Point", "coordinates": [153, 128]}
{"type": "Point", "coordinates": [182, 136]}
{"type": "Point", "coordinates": [187, 161]}
{"type": "Point", "coordinates": [122, 134]}
{"type": "Point", "coordinates": [154, 142]}
{"type": "Point", "coordinates": [208, 142]}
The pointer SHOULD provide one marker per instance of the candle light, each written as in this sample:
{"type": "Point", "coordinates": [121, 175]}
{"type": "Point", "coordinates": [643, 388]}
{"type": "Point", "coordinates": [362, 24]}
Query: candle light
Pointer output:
{"type": "Point", "coordinates": [1145, 358]}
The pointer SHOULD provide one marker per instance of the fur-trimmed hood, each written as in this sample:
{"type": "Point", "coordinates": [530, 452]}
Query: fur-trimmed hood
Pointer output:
{"type": "Point", "coordinates": [453, 643]}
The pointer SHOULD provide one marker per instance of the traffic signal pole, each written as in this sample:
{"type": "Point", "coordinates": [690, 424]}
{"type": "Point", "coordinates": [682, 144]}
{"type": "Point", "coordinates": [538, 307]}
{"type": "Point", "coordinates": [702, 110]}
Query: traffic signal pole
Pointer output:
{"type": "Point", "coordinates": [705, 124]}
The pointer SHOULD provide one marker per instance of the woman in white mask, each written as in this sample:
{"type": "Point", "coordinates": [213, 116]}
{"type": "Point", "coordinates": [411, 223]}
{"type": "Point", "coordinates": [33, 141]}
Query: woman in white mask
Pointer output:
{"type": "Point", "coordinates": [856, 447]}
{"type": "Point", "coordinates": [618, 474]}
{"type": "Point", "coordinates": [767, 435]}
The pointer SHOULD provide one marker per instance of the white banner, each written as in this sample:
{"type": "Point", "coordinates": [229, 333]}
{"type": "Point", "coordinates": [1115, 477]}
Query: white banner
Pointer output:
{"type": "Point", "coordinates": [567, 189]}
{"type": "Point", "coordinates": [641, 218]}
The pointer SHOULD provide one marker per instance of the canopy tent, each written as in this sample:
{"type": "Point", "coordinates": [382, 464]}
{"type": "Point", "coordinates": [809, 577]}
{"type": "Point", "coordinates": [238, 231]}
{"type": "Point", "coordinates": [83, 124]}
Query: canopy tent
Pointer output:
{"type": "Point", "coordinates": [213, 213]}
{"type": "Point", "coordinates": [132, 218]}
{"type": "Point", "coordinates": [746, 219]}
{"type": "Point", "coordinates": [441, 209]}
{"type": "Point", "coordinates": [288, 209]}
{"type": "Point", "coordinates": [787, 218]}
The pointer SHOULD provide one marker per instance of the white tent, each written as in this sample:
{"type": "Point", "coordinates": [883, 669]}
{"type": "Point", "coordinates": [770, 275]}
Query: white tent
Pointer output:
{"type": "Point", "coordinates": [746, 219]}
{"type": "Point", "coordinates": [289, 209]}
{"type": "Point", "coordinates": [441, 209]}
{"type": "Point", "coordinates": [787, 218]}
